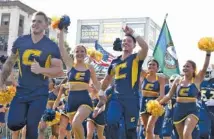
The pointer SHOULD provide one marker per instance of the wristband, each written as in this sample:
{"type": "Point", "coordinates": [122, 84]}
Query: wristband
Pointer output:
{"type": "Point", "coordinates": [135, 35]}
{"type": "Point", "coordinates": [101, 93]}
{"type": "Point", "coordinates": [208, 54]}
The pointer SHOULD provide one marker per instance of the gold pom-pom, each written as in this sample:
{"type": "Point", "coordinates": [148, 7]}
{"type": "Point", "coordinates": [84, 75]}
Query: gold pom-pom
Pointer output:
{"type": "Point", "coordinates": [55, 22]}
{"type": "Point", "coordinates": [91, 52]}
{"type": "Point", "coordinates": [154, 108]}
{"type": "Point", "coordinates": [98, 56]}
{"type": "Point", "coordinates": [7, 96]}
{"type": "Point", "coordinates": [206, 44]}
{"type": "Point", "coordinates": [56, 120]}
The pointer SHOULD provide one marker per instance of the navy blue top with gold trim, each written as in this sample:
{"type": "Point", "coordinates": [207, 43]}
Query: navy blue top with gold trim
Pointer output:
{"type": "Point", "coordinates": [126, 74]}
{"type": "Point", "coordinates": [27, 52]}
{"type": "Point", "coordinates": [52, 96]}
{"type": "Point", "coordinates": [151, 87]}
{"type": "Point", "coordinates": [150, 91]}
{"type": "Point", "coordinates": [182, 110]}
{"type": "Point", "coordinates": [76, 76]}
{"type": "Point", "coordinates": [189, 91]}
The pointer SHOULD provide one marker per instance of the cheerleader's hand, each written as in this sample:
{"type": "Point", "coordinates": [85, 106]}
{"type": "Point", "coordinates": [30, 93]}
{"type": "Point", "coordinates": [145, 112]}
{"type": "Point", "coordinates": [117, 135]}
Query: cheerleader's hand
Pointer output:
{"type": "Point", "coordinates": [43, 125]}
{"type": "Point", "coordinates": [128, 30]}
{"type": "Point", "coordinates": [96, 112]}
{"type": "Point", "coordinates": [3, 87]}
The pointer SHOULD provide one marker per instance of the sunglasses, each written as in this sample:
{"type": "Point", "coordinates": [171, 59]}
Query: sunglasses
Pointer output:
{"type": "Point", "coordinates": [171, 81]}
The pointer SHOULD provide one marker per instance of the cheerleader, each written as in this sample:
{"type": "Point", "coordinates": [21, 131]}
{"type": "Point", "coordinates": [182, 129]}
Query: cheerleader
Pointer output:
{"type": "Point", "coordinates": [53, 91]}
{"type": "Point", "coordinates": [98, 122]}
{"type": "Point", "coordinates": [79, 75]}
{"type": "Point", "coordinates": [125, 69]}
{"type": "Point", "coordinates": [60, 105]}
{"type": "Point", "coordinates": [152, 89]}
{"type": "Point", "coordinates": [186, 111]}
{"type": "Point", "coordinates": [168, 126]}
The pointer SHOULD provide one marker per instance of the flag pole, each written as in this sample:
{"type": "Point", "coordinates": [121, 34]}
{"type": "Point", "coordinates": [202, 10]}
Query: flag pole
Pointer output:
{"type": "Point", "coordinates": [166, 16]}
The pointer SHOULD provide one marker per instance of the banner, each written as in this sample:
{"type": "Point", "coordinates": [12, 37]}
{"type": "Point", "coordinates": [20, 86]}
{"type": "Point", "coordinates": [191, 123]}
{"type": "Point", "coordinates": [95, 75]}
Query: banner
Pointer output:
{"type": "Point", "coordinates": [89, 33]}
{"type": "Point", "coordinates": [111, 31]}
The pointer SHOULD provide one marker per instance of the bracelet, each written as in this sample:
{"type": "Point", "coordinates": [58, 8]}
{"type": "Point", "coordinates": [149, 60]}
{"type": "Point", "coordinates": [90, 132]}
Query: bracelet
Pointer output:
{"type": "Point", "coordinates": [135, 35]}
{"type": "Point", "coordinates": [101, 93]}
{"type": "Point", "coordinates": [208, 54]}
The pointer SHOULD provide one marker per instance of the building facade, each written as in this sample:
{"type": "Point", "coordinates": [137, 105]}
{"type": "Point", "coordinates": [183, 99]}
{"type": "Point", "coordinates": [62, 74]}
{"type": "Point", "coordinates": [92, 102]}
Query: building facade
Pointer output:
{"type": "Point", "coordinates": [15, 20]}
{"type": "Point", "coordinates": [107, 30]}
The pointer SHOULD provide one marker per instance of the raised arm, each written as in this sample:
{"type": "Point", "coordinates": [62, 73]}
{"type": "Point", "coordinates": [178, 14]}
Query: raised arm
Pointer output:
{"type": "Point", "coordinates": [65, 56]}
{"type": "Point", "coordinates": [142, 53]}
{"type": "Point", "coordinates": [201, 74]}
{"type": "Point", "coordinates": [56, 103]}
{"type": "Point", "coordinates": [169, 95]}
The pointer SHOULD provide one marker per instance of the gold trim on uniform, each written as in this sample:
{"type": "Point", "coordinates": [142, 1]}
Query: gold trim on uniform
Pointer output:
{"type": "Point", "coordinates": [186, 99]}
{"type": "Point", "coordinates": [185, 118]}
{"type": "Point", "coordinates": [147, 93]}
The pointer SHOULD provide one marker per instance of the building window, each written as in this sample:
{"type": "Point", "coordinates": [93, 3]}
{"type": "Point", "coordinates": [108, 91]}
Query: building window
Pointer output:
{"type": "Point", "coordinates": [3, 42]}
{"type": "Point", "coordinates": [5, 19]}
{"type": "Point", "coordinates": [21, 23]}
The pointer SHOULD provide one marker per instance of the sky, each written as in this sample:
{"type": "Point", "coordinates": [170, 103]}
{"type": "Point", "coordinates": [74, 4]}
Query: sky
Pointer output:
{"type": "Point", "coordinates": [188, 20]}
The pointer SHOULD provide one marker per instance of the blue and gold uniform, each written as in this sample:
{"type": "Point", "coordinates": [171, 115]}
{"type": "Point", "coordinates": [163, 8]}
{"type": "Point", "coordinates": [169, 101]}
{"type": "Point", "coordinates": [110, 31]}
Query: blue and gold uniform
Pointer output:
{"type": "Point", "coordinates": [182, 110]}
{"type": "Point", "coordinates": [207, 96]}
{"type": "Point", "coordinates": [126, 75]}
{"type": "Point", "coordinates": [52, 97]}
{"type": "Point", "coordinates": [65, 103]}
{"type": "Point", "coordinates": [112, 131]}
{"type": "Point", "coordinates": [207, 90]}
{"type": "Point", "coordinates": [100, 119]}
{"type": "Point", "coordinates": [81, 97]}
{"type": "Point", "coordinates": [150, 91]}
{"type": "Point", "coordinates": [31, 97]}
{"type": "Point", "coordinates": [168, 126]}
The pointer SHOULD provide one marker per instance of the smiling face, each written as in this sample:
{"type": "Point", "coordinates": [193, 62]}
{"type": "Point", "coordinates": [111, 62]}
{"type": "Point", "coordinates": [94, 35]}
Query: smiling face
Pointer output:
{"type": "Point", "coordinates": [153, 66]}
{"type": "Point", "coordinates": [128, 44]}
{"type": "Point", "coordinates": [80, 53]}
{"type": "Point", "coordinates": [189, 68]}
{"type": "Point", "coordinates": [39, 24]}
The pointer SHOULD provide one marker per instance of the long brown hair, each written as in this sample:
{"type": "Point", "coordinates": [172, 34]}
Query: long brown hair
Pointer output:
{"type": "Point", "coordinates": [193, 66]}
